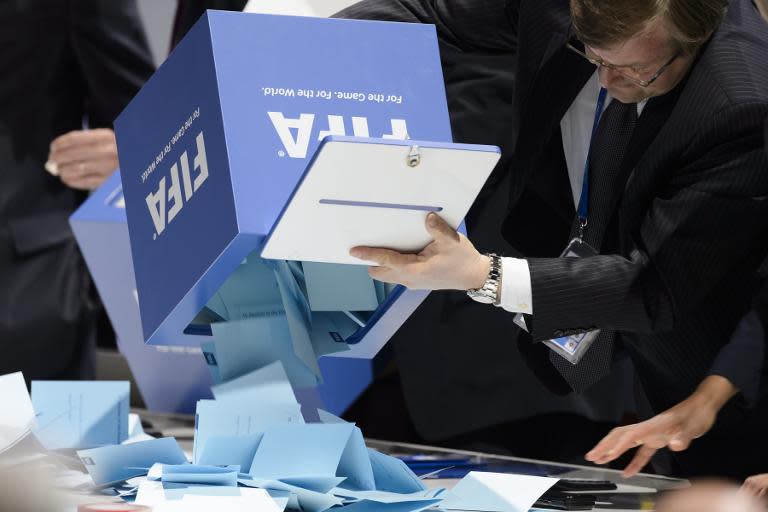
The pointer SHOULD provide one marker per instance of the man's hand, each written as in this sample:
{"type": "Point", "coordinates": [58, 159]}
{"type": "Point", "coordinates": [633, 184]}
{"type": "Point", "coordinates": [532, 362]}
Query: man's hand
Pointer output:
{"type": "Point", "coordinates": [675, 428]}
{"type": "Point", "coordinates": [757, 485]}
{"type": "Point", "coordinates": [83, 159]}
{"type": "Point", "coordinates": [450, 262]}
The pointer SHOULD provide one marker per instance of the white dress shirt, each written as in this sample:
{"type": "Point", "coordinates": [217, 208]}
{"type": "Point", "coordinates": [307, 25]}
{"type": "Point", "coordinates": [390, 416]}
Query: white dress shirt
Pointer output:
{"type": "Point", "coordinates": [576, 127]}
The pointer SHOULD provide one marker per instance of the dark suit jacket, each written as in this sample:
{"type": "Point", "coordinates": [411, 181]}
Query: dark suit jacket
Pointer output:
{"type": "Point", "coordinates": [690, 225]}
{"type": "Point", "coordinates": [63, 62]}
{"type": "Point", "coordinates": [189, 11]}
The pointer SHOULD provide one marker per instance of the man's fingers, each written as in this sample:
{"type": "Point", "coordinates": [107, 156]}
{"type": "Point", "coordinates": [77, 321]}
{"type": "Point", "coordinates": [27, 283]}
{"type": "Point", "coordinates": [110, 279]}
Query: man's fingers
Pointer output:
{"type": "Point", "coordinates": [605, 444]}
{"type": "Point", "coordinates": [75, 154]}
{"type": "Point", "coordinates": [84, 145]}
{"type": "Point", "coordinates": [639, 461]}
{"type": "Point", "coordinates": [91, 182]}
{"type": "Point", "coordinates": [439, 229]}
{"type": "Point", "coordinates": [85, 175]}
{"type": "Point", "coordinates": [73, 138]}
{"type": "Point", "coordinates": [382, 257]}
{"type": "Point", "coordinates": [625, 439]}
{"type": "Point", "coordinates": [80, 137]}
{"type": "Point", "coordinates": [83, 182]}
{"type": "Point", "coordinates": [98, 152]}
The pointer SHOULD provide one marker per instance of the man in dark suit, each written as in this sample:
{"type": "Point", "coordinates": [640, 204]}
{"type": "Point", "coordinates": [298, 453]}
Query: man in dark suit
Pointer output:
{"type": "Point", "coordinates": [66, 64]}
{"type": "Point", "coordinates": [484, 399]}
{"type": "Point", "coordinates": [677, 183]}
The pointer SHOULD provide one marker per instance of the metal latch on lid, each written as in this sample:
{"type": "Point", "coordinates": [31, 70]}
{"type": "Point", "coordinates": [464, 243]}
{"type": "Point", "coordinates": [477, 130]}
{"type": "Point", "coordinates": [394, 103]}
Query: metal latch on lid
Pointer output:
{"type": "Point", "coordinates": [414, 156]}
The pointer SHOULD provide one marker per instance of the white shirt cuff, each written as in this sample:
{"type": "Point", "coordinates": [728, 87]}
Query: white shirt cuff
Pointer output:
{"type": "Point", "coordinates": [516, 295]}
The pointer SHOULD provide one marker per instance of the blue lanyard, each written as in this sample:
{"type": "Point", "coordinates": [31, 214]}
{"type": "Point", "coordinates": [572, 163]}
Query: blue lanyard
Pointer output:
{"type": "Point", "coordinates": [583, 209]}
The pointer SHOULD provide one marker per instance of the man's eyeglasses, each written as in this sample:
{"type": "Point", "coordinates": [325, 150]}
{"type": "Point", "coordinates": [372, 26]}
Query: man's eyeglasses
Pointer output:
{"type": "Point", "coordinates": [634, 76]}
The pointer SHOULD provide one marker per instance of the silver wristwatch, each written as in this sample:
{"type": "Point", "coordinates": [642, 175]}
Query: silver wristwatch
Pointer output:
{"type": "Point", "coordinates": [490, 293]}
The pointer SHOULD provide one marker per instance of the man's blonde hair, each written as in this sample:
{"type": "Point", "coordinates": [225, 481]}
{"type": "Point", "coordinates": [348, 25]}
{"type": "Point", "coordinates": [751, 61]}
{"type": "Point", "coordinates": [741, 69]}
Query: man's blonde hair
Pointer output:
{"type": "Point", "coordinates": [605, 23]}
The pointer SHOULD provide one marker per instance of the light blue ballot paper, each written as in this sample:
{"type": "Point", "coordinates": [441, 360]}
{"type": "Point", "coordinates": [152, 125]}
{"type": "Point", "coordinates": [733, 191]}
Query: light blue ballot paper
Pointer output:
{"type": "Point", "coordinates": [308, 500]}
{"type": "Point", "coordinates": [216, 304]}
{"type": "Point", "coordinates": [393, 475]}
{"type": "Point", "coordinates": [329, 330]}
{"type": "Point", "coordinates": [81, 414]}
{"type": "Point", "coordinates": [230, 450]}
{"type": "Point", "coordinates": [381, 291]}
{"type": "Point", "coordinates": [251, 291]}
{"type": "Point", "coordinates": [298, 274]}
{"type": "Point", "coordinates": [322, 484]}
{"type": "Point", "coordinates": [111, 464]}
{"type": "Point", "coordinates": [254, 343]}
{"type": "Point", "coordinates": [327, 417]}
{"type": "Point", "coordinates": [291, 282]}
{"type": "Point", "coordinates": [211, 360]}
{"type": "Point", "coordinates": [215, 419]}
{"type": "Point", "coordinates": [332, 287]}
{"type": "Point", "coordinates": [389, 501]}
{"type": "Point", "coordinates": [327, 450]}
{"type": "Point", "coordinates": [267, 385]}
{"type": "Point", "coordinates": [298, 315]}
{"type": "Point", "coordinates": [200, 474]}
{"type": "Point", "coordinates": [399, 506]}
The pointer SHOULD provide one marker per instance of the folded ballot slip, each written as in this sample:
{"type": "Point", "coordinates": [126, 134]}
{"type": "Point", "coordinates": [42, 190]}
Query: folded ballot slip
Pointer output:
{"type": "Point", "coordinates": [377, 193]}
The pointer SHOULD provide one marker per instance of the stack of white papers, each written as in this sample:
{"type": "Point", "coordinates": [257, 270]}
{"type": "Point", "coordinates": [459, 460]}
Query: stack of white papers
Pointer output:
{"type": "Point", "coordinates": [18, 416]}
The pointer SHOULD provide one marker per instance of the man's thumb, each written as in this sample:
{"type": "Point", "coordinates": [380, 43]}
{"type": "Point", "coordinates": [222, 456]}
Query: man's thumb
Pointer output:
{"type": "Point", "coordinates": [439, 229]}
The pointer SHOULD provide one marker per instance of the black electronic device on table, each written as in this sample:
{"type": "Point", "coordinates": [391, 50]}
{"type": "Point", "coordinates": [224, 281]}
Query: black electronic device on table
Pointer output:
{"type": "Point", "coordinates": [557, 500]}
{"type": "Point", "coordinates": [578, 484]}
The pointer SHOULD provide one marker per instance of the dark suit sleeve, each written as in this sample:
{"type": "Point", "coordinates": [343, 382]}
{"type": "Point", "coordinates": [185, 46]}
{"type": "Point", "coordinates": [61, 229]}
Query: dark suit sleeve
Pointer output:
{"type": "Point", "coordinates": [741, 360]}
{"type": "Point", "coordinates": [468, 25]}
{"type": "Point", "coordinates": [699, 228]}
{"type": "Point", "coordinates": [112, 53]}
{"type": "Point", "coordinates": [189, 11]}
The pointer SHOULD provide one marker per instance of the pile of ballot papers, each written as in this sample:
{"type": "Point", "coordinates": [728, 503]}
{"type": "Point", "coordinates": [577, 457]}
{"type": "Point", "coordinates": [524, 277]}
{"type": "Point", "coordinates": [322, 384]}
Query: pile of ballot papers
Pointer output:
{"type": "Point", "coordinates": [288, 311]}
{"type": "Point", "coordinates": [252, 449]}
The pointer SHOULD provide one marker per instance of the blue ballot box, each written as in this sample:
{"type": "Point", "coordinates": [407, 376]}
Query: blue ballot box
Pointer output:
{"type": "Point", "coordinates": [213, 145]}
{"type": "Point", "coordinates": [174, 378]}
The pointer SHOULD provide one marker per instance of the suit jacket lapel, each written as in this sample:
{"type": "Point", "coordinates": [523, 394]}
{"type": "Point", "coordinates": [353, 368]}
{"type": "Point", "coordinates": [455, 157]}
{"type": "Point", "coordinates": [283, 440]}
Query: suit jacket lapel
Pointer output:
{"type": "Point", "coordinates": [559, 82]}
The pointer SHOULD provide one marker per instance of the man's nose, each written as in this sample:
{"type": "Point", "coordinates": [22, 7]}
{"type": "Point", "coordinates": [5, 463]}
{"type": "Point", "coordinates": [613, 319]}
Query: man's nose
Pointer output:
{"type": "Point", "coordinates": [610, 77]}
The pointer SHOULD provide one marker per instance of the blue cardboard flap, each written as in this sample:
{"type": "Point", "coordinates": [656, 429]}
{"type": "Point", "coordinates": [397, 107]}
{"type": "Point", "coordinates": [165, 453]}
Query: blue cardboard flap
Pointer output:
{"type": "Point", "coordinates": [214, 144]}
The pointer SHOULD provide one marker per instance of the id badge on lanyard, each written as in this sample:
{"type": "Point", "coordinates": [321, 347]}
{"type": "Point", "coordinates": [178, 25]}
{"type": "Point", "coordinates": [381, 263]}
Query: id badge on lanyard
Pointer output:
{"type": "Point", "coordinates": [572, 348]}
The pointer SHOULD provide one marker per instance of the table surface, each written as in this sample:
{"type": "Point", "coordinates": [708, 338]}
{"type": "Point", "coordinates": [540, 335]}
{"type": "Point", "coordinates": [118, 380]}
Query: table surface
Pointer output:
{"type": "Point", "coordinates": [633, 494]}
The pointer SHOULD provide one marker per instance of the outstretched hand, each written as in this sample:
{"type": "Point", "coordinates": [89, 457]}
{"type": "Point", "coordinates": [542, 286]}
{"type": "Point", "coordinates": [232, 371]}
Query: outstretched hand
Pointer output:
{"type": "Point", "coordinates": [674, 428]}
